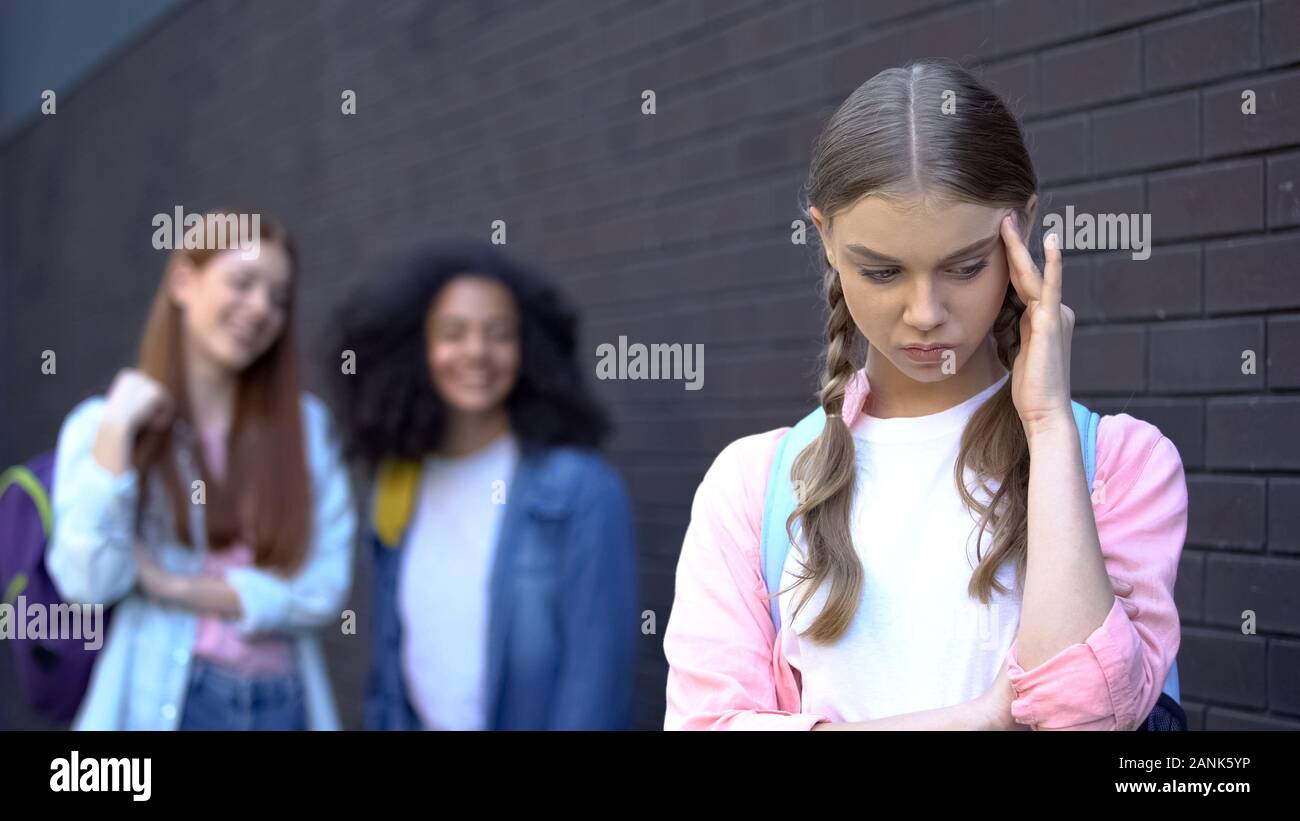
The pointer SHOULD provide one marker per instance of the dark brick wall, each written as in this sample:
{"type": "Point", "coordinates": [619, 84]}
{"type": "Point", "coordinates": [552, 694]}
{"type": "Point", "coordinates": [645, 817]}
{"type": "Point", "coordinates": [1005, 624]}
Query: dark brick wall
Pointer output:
{"type": "Point", "coordinates": [675, 228]}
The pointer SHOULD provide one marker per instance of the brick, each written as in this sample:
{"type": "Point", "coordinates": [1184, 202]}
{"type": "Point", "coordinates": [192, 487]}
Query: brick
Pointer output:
{"type": "Point", "coordinates": [793, 317]}
{"type": "Point", "coordinates": [1226, 512]}
{"type": "Point", "coordinates": [847, 14]}
{"type": "Point", "coordinates": [1275, 123]}
{"type": "Point", "coordinates": [1283, 352]}
{"type": "Point", "coordinates": [700, 433]}
{"type": "Point", "coordinates": [1283, 194]}
{"type": "Point", "coordinates": [1096, 71]}
{"type": "Point", "coordinates": [1152, 133]}
{"type": "Point", "coordinates": [1167, 285]}
{"type": "Point", "coordinates": [964, 34]}
{"type": "Point", "coordinates": [1283, 515]}
{"type": "Point", "coordinates": [1197, 48]}
{"type": "Point", "coordinates": [1255, 433]}
{"type": "Point", "coordinates": [1108, 360]}
{"type": "Point", "coordinates": [1224, 668]}
{"type": "Point", "coordinates": [1284, 676]}
{"type": "Point", "coordinates": [1189, 587]}
{"type": "Point", "coordinates": [1222, 719]}
{"type": "Point", "coordinates": [1126, 195]}
{"type": "Point", "coordinates": [758, 265]}
{"type": "Point", "coordinates": [1015, 81]}
{"type": "Point", "coordinates": [1059, 148]}
{"type": "Point", "coordinates": [673, 486]}
{"type": "Point", "coordinates": [1026, 24]}
{"type": "Point", "coordinates": [661, 538]}
{"type": "Point", "coordinates": [1077, 285]}
{"type": "Point", "coordinates": [1205, 356]}
{"type": "Point", "coordinates": [1195, 711]}
{"type": "Point", "coordinates": [788, 373]}
{"type": "Point", "coordinates": [1099, 15]}
{"type": "Point", "coordinates": [1280, 20]}
{"type": "Point", "coordinates": [1255, 274]}
{"type": "Point", "coordinates": [1235, 584]}
{"type": "Point", "coordinates": [1207, 200]}
{"type": "Point", "coordinates": [729, 47]}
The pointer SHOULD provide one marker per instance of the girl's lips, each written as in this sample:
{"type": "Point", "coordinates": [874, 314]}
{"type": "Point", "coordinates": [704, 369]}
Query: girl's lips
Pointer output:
{"type": "Point", "coordinates": [242, 334]}
{"type": "Point", "coordinates": [474, 383]}
{"type": "Point", "coordinates": [926, 357]}
{"type": "Point", "coordinates": [244, 340]}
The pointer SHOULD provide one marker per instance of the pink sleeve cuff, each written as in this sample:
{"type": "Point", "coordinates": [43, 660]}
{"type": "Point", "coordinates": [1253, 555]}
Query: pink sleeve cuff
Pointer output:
{"type": "Point", "coordinates": [763, 720]}
{"type": "Point", "coordinates": [1086, 686]}
{"type": "Point", "coordinates": [758, 719]}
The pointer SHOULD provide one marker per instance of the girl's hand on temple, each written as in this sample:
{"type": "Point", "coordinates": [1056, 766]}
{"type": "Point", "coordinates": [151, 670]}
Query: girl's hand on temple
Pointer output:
{"type": "Point", "coordinates": [1040, 375]}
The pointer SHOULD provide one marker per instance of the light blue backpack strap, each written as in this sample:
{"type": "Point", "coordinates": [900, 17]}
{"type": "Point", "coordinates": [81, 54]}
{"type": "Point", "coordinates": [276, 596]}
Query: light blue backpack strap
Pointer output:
{"type": "Point", "coordinates": [1171, 682]}
{"type": "Point", "coordinates": [1087, 422]}
{"type": "Point", "coordinates": [779, 503]}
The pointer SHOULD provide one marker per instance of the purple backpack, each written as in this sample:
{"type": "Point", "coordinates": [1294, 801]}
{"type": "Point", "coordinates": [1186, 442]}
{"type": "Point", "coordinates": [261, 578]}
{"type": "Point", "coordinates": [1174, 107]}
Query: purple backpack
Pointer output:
{"type": "Point", "coordinates": [52, 673]}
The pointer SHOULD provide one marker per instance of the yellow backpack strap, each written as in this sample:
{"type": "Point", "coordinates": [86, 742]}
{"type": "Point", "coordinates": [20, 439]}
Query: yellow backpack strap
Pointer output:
{"type": "Point", "coordinates": [395, 486]}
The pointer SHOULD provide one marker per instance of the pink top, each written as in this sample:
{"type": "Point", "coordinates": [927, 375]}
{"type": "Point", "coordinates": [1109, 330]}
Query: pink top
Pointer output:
{"type": "Point", "coordinates": [726, 669]}
{"type": "Point", "coordinates": [218, 639]}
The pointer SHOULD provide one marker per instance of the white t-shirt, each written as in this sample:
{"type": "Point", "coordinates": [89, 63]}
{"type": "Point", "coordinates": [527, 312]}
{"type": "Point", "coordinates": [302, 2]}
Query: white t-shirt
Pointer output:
{"type": "Point", "coordinates": [918, 640]}
{"type": "Point", "coordinates": [443, 589]}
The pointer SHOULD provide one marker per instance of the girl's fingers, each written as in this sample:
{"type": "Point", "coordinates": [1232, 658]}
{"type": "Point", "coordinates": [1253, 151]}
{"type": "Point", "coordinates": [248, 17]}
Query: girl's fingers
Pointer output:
{"type": "Point", "coordinates": [1051, 290]}
{"type": "Point", "coordinates": [1024, 274]}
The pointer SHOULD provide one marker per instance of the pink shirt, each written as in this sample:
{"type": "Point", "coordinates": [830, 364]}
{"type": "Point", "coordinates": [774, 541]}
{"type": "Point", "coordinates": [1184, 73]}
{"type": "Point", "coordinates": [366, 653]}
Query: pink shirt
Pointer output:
{"type": "Point", "coordinates": [726, 668]}
{"type": "Point", "coordinates": [219, 639]}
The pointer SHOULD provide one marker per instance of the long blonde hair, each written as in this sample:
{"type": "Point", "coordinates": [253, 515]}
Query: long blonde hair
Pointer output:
{"type": "Point", "coordinates": [890, 137]}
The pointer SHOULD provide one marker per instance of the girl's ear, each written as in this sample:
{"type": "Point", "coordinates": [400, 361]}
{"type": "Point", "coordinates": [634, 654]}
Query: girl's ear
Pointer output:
{"type": "Point", "coordinates": [1029, 214]}
{"type": "Point", "coordinates": [819, 220]}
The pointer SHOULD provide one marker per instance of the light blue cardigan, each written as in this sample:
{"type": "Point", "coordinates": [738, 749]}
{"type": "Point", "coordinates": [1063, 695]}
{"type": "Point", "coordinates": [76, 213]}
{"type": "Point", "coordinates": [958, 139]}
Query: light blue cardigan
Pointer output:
{"type": "Point", "coordinates": [141, 676]}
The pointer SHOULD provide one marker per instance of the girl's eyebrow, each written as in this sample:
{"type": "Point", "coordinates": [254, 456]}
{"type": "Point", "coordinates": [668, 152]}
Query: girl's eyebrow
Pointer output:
{"type": "Point", "coordinates": [975, 248]}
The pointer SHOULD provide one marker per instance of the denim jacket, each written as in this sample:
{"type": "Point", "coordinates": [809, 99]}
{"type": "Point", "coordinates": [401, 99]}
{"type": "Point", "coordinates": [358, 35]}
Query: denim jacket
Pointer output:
{"type": "Point", "coordinates": [141, 675]}
{"type": "Point", "coordinates": [562, 624]}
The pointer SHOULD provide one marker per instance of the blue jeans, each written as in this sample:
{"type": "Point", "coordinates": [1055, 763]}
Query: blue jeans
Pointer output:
{"type": "Point", "coordinates": [219, 699]}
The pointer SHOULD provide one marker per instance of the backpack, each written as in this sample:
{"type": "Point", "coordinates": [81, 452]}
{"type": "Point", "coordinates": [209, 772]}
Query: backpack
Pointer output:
{"type": "Point", "coordinates": [52, 672]}
{"type": "Point", "coordinates": [779, 503]}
